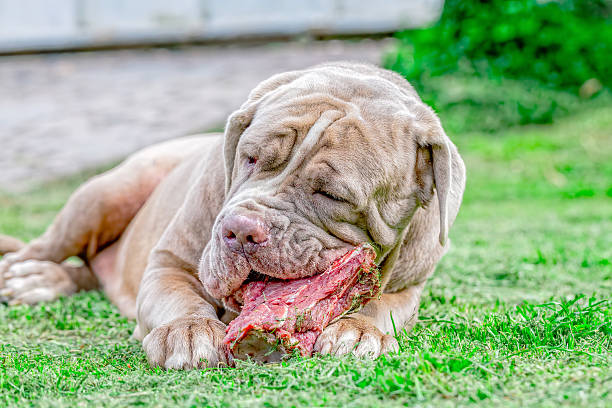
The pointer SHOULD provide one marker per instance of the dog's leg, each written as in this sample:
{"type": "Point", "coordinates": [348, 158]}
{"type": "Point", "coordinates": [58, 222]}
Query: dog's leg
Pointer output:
{"type": "Point", "coordinates": [180, 327]}
{"type": "Point", "coordinates": [177, 319]}
{"type": "Point", "coordinates": [32, 281]}
{"type": "Point", "coordinates": [370, 331]}
{"type": "Point", "coordinates": [98, 212]}
{"type": "Point", "coordinates": [93, 217]}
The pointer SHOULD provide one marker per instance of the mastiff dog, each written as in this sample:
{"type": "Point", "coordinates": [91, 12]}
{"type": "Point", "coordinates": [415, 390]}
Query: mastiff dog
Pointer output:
{"type": "Point", "coordinates": [314, 163]}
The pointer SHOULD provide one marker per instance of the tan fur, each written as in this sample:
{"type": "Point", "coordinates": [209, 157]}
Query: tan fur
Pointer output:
{"type": "Point", "coordinates": [10, 244]}
{"type": "Point", "coordinates": [340, 154]}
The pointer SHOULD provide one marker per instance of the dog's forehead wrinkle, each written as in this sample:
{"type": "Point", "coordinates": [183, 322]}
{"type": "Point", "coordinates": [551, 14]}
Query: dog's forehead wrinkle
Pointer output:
{"type": "Point", "coordinates": [296, 100]}
{"type": "Point", "coordinates": [345, 82]}
{"type": "Point", "coordinates": [308, 144]}
{"type": "Point", "coordinates": [334, 167]}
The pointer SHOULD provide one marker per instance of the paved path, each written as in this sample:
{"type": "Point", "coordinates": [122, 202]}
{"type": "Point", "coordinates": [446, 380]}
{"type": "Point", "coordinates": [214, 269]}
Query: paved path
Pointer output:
{"type": "Point", "coordinates": [67, 112]}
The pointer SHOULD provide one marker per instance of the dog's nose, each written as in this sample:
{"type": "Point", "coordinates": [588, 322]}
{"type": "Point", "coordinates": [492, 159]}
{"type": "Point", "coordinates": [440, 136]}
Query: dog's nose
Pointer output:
{"type": "Point", "coordinates": [244, 232]}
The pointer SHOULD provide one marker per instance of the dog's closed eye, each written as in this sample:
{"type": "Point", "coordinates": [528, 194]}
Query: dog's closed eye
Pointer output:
{"type": "Point", "coordinates": [330, 196]}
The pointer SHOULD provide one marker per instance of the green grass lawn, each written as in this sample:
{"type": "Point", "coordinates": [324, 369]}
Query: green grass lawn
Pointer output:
{"type": "Point", "coordinates": [518, 313]}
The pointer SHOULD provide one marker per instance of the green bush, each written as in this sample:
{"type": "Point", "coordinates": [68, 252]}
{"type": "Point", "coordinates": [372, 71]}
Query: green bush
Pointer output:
{"type": "Point", "coordinates": [466, 103]}
{"type": "Point", "coordinates": [517, 39]}
{"type": "Point", "coordinates": [536, 59]}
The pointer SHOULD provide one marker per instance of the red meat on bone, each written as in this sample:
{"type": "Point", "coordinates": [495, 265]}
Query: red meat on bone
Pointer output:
{"type": "Point", "coordinates": [279, 316]}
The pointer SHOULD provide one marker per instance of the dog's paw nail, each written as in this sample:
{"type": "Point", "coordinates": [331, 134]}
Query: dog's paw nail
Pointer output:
{"type": "Point", "coordinates": [187, 343]}
{"type": "Point", "coordinates": [351, 336]}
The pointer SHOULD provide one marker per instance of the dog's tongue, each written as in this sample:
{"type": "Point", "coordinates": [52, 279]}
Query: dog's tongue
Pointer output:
{"type": "Point", "coordinates": [279, 316]}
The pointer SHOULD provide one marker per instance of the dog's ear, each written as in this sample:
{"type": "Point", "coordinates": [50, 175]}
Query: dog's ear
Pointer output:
{"type": "Point", "coordinates": [433, 167]}
{"type": "Point", "coordinates": [241, 119]}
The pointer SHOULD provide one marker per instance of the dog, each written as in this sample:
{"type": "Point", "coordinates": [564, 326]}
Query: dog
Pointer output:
{"type": "Point", "coordinates": [315, 162]}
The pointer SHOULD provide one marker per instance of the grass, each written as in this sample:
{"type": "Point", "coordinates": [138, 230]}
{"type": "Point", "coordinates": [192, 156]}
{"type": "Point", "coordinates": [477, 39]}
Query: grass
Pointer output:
{"type": "Point", "coordinates": [468, 103]}
{"type": "Point", "coordinates": [518, 313]}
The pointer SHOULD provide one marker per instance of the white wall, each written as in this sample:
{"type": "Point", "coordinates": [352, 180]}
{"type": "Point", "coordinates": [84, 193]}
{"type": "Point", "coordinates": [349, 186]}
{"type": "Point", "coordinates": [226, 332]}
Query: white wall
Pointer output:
{"type": "Point", "coordinates": [57, 24]}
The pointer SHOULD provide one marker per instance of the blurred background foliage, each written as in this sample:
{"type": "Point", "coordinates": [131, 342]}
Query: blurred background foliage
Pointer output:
{"type": "Point", "coordinates": [487, 65]}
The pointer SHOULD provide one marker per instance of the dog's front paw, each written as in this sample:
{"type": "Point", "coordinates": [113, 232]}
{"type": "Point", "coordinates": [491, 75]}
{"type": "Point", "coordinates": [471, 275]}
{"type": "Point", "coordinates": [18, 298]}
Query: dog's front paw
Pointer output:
{"type": "Point", "coordinates": [5, 263]}
{"type": "Point", "coordinates": [31, 282]}
{"type": "Point", "coordinates": [192, 342]}
{"type": "Point", "coordinates": [356, 336]}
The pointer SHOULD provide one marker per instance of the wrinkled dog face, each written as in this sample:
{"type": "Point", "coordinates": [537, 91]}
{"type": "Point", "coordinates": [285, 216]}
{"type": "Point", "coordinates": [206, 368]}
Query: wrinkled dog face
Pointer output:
{"type": "Point", "coordinates": [316, 162]}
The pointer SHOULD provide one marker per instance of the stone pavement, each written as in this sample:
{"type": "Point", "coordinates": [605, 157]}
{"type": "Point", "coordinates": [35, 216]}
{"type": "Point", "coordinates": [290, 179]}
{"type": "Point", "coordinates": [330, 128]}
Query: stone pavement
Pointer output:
{"type": "Point", "coordinates": [62, 113]}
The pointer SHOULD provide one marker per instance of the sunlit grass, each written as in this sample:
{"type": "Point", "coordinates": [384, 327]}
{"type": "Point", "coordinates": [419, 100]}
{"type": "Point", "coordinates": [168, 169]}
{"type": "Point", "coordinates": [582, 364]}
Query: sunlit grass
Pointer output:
{"type": "Point", "coordinates": [518, 312]}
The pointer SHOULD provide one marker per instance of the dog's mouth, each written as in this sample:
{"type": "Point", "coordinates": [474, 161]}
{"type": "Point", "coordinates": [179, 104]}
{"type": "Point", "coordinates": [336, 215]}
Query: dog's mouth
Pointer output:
{"type": "Point", "coordinates": [295, 311]}
{"type": "Point", "coordinates": [253, 276]}
{"type": "Point", "coordinates": [235, 300]}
